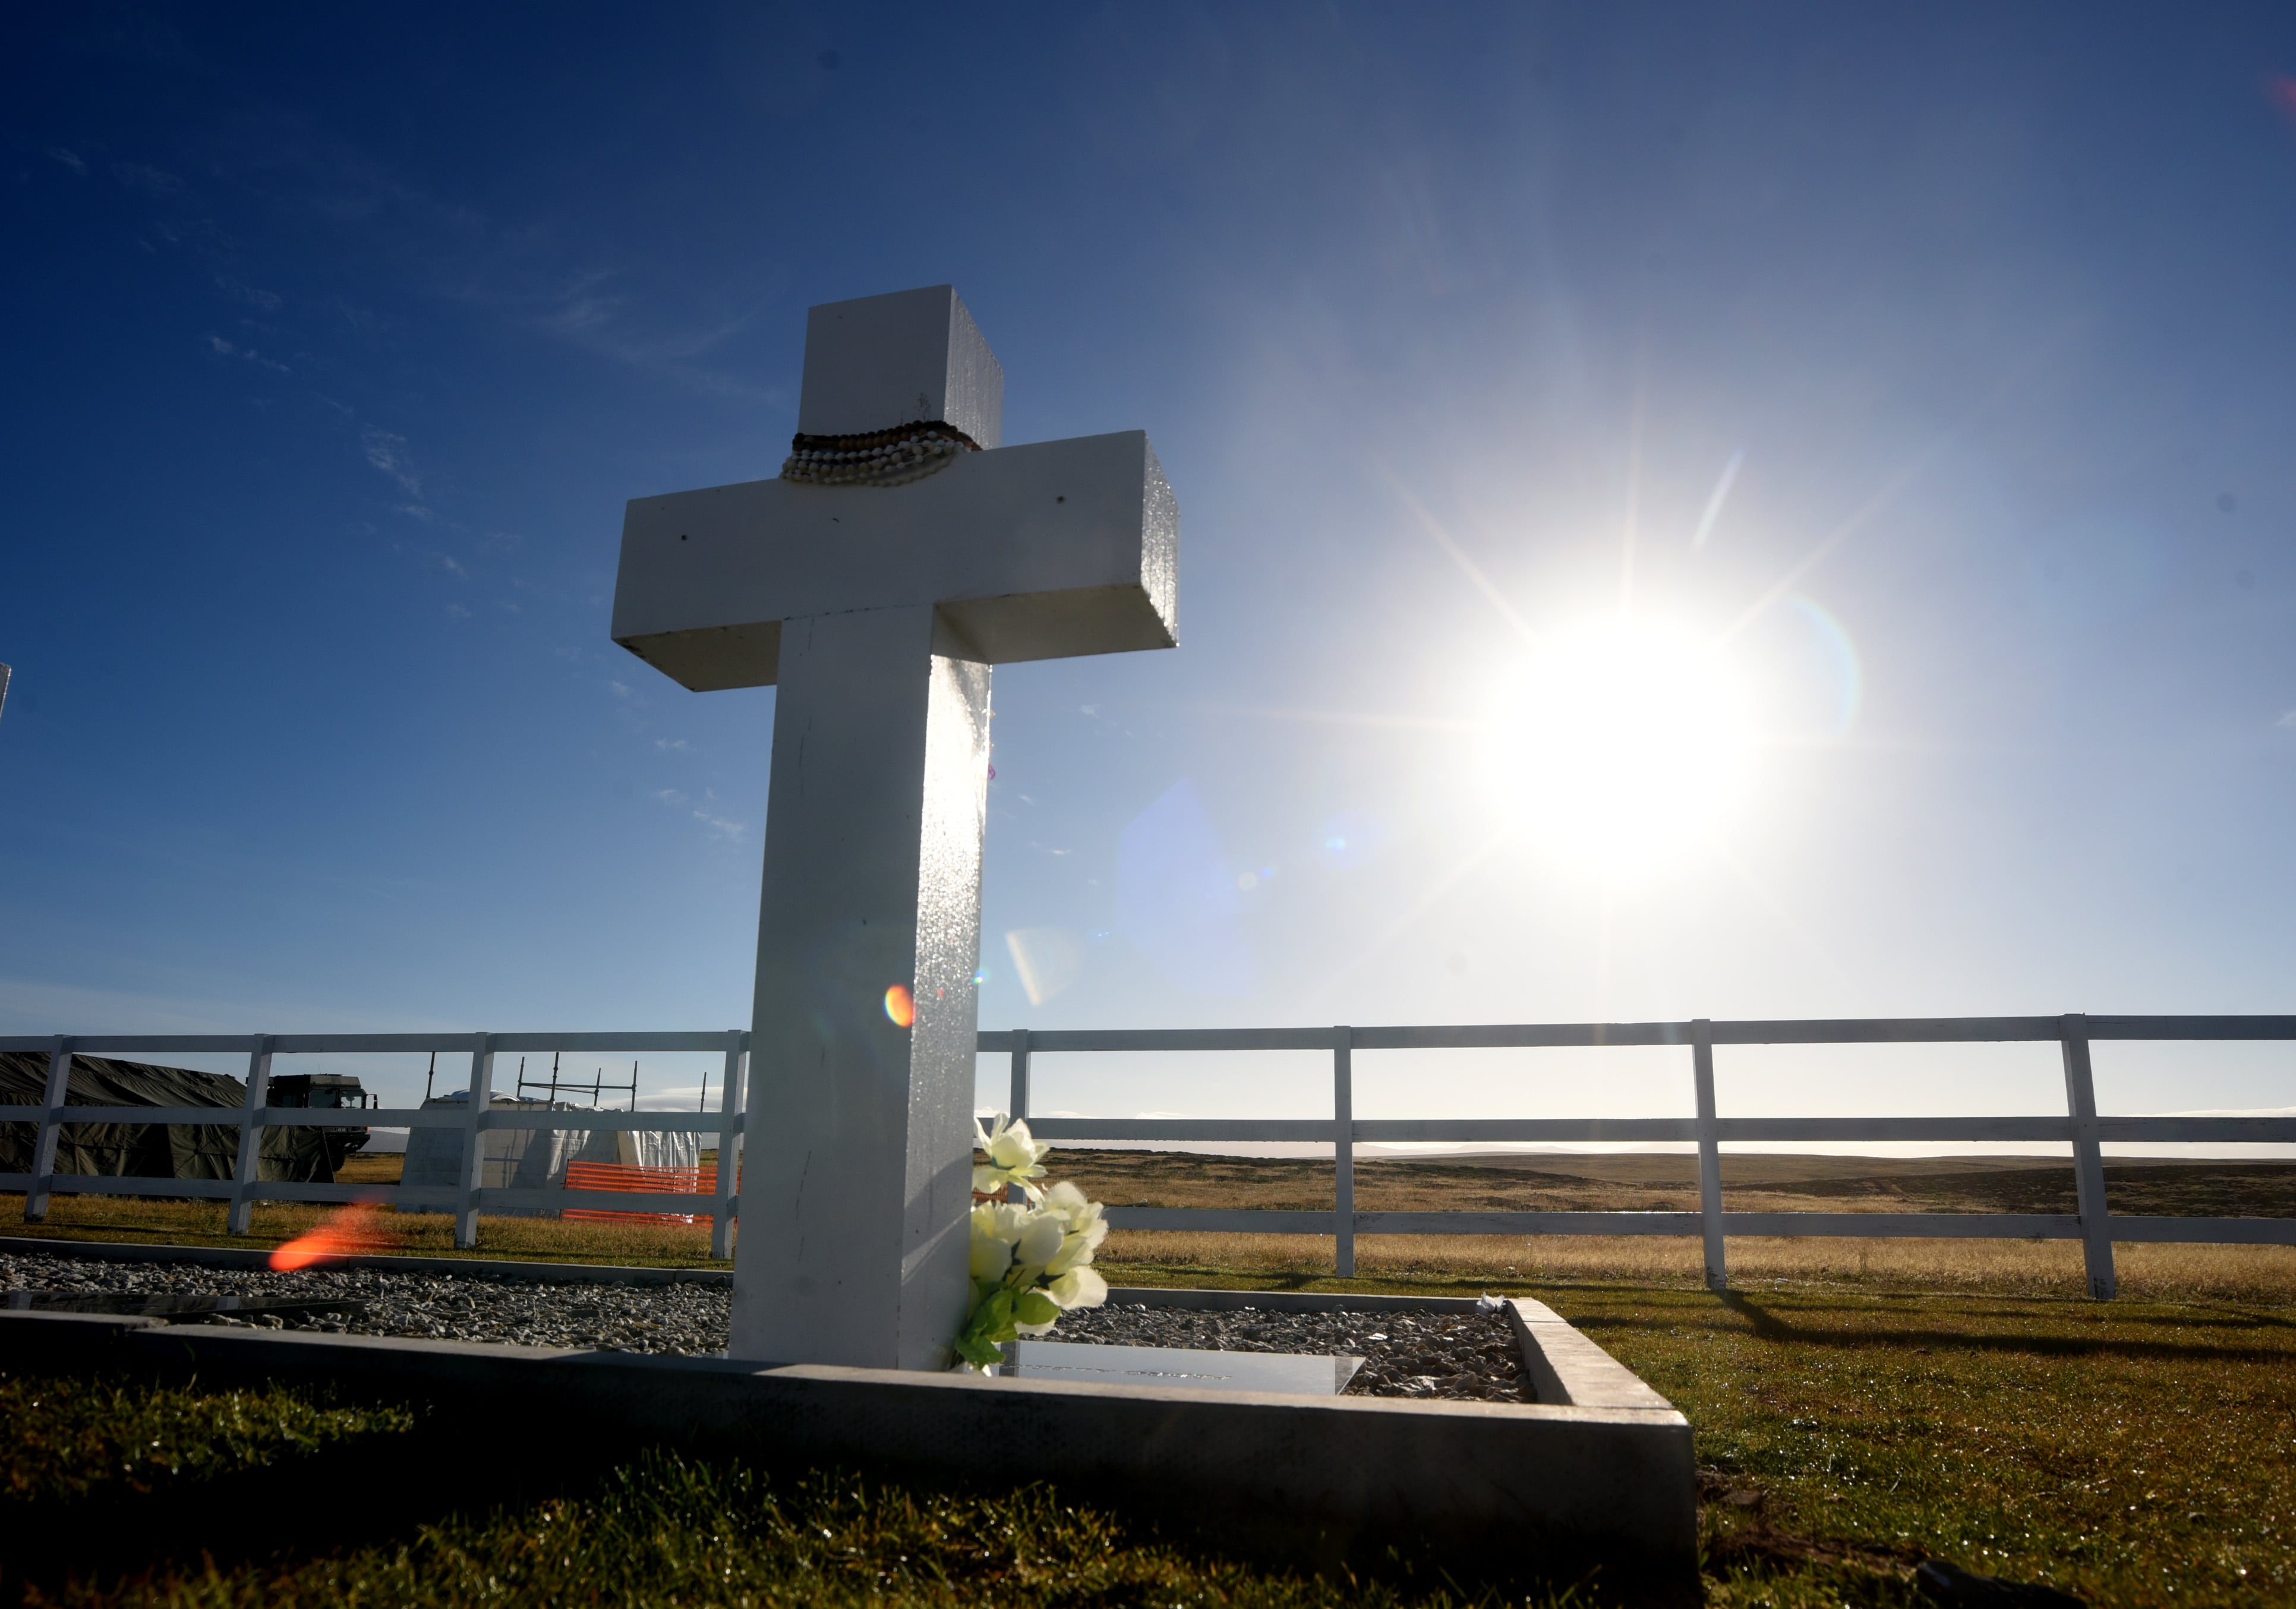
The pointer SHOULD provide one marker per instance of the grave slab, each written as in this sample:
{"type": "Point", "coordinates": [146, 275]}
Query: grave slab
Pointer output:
{"type": "Point", "coordinates": [1298, 1373]}
{"type": "Point", "coordinates": [1601, 1465]}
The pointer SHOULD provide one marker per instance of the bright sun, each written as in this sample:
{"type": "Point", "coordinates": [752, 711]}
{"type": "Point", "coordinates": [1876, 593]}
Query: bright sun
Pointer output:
{"type": "Point", "coordinates": [1619, 743]}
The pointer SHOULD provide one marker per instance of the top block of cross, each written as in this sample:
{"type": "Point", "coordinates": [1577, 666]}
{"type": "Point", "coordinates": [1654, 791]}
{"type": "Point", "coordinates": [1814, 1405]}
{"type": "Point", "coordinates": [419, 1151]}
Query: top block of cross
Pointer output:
{"type": "Point", "coordinates": [897, 492]}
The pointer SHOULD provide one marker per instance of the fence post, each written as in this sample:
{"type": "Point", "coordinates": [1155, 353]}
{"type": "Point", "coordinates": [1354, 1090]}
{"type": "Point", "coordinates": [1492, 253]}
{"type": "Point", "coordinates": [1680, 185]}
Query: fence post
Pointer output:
{"type": "Point", "coordinates": [474, 1146]}
{"type": "Point", "coordinates": [1018, 1109]}
{"type": "Point", "coordinates": [44, 1149]}
{"type": "Point", "coordinates": [251, 1138]}
{"type": "Point", "coordinates": [1710, 1155]}
{"type": "Point", "coordinates": [733, 1104]}
{"type": "Point", "coordinates": [1343, 1150]}
{"type": "Point", "coordinates": [2088, 1158]}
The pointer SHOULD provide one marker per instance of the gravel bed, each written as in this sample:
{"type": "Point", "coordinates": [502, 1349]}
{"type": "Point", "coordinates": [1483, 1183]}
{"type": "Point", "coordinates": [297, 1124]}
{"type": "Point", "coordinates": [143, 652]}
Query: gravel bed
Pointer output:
{"type": "Point", "coordinates": [464, 1306]}
{"type": "Point", "coordinates": [1470, 1357]}
{"type": "Point", "coordinates": [1467, 1356]}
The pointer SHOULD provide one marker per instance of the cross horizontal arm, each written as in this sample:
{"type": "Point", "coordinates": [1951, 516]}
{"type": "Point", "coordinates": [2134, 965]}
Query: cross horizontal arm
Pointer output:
{"type": "Point", "coordinates": [1038, 551]}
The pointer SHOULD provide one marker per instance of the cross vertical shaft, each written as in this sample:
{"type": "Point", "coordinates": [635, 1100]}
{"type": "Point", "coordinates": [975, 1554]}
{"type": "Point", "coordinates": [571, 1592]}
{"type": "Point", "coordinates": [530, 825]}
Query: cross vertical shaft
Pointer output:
{"type": "Point", "coordinates": [858, 1169]}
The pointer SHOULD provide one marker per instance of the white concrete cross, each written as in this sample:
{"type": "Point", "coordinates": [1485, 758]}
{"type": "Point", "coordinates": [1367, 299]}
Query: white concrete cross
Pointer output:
{"type": "Point", "coordinates": [878, 611]}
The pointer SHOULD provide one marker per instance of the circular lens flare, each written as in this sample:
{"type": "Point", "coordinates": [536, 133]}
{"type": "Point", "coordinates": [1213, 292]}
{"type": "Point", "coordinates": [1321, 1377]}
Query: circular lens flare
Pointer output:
{"type": "Point", "coordinates": [900, 1005]}
{"type": "Point", "coordinates": [1620, 743]}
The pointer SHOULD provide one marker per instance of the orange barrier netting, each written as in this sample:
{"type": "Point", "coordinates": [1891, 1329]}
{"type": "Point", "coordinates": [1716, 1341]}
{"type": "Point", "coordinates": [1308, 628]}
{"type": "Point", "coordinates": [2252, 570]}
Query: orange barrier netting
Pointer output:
{"type": "Point", "coordinates": [660, 1181]}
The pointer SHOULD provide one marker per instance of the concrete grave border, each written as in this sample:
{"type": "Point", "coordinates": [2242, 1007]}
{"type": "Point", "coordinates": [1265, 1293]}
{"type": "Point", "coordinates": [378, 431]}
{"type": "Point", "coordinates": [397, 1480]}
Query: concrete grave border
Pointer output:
{"type": "Point", "coordinates": [1601, 1464]}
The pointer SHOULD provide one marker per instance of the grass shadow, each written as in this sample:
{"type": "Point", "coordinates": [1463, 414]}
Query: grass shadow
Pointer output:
{"type": "Point", "coordinates": [1768, 1324]}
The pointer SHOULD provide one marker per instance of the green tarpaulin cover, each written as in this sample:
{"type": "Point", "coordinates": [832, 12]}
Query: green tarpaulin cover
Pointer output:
{"type": "Point", "coordinates": [148, 1150]}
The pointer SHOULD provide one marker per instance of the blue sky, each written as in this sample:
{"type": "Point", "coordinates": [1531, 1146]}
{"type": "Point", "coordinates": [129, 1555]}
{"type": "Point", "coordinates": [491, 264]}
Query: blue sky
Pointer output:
{"type": "Point", "coordinates": [341, 340]}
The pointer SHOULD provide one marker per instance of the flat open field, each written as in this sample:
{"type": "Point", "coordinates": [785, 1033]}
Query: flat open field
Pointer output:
{"type": "Point", "coordinates": [412, 1234]}
{"type": "Point", "coordinates": [1625, 1182]}
{"type": "Point", "coordinates": [1858, 1404]}
{"type": "Point", "coordinates": [1641, 1182]}
{"type": "Point", "coordinates": [1630, 1182]}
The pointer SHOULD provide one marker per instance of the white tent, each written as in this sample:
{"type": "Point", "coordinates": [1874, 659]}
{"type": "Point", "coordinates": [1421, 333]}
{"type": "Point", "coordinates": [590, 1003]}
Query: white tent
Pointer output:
{"type": "Point", "coordinates": [534, 1159]}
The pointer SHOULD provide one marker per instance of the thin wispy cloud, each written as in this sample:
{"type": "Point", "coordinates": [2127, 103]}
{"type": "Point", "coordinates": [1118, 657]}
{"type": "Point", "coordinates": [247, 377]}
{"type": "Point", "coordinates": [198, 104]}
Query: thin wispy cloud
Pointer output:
{"type": "Point", "coordinates": [720, 827]}
{"type": "Point", "coordinates": [225, 348]}
{"type": "Point", "coordinates": [723, 828]}
{"type": "Point", "coordinates": [150, 180]}
{"type": "Point", "coordinates": [522, 271]}
{"type": "Point", "coordinates": [254, 296]}
{"type": "Point", "coordinates": [510, 268]}
{"type": "Point", "coordinates": [387, 452]}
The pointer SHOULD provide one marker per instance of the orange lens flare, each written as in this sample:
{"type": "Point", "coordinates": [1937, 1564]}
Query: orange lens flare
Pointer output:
{"type": "Point", "coordinates": [900, 1005]}
{"type": "Point", "coordinates": [357, 1229]}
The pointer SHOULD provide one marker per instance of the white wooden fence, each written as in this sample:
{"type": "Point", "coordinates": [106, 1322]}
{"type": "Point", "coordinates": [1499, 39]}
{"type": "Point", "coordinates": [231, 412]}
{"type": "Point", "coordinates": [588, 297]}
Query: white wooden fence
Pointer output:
{"type": "Point", "coordinates": [466, 1199]}
{"type": "Point", "coordinates": [2080, 1125]}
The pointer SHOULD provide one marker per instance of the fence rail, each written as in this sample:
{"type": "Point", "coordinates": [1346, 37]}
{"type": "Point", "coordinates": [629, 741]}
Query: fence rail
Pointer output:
{"type": "Point", "coordinates": [466, 1199]}
{"type": "Point", "coordinates": [2080, 1125]}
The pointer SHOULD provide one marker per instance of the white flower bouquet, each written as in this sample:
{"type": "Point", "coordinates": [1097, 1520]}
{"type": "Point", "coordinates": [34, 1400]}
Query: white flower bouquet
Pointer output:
{"type": "Point", "coordinates": [1031, 1259]}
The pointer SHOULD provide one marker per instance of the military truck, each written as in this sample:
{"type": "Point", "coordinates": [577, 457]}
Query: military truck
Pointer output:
{"type": "Point", "coordinates": [335, 1089]}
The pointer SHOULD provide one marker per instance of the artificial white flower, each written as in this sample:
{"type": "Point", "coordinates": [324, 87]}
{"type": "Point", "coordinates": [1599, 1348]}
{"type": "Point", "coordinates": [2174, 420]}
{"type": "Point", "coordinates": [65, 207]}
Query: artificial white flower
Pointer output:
{"type": "Point", "coordinates": [1015, 1157]}
{"type": "Point", "coordinates": [1030, 1261]}
{"type": "Point", "coordinates": [1078, 1288]}
{"type": "Point", "coordinates": [1041, 1239]}
{"type": "Point", "coordinates": [1012, 1146]}
{"type": "Point", "coordinates": [992, 1254]}
{"type": "Point", "coordinates": [1003, 1219]}
{"type": "Point", "coordinates": [1066, 1202]}
{"type": "Point", "coordinates": [1085, 1227]}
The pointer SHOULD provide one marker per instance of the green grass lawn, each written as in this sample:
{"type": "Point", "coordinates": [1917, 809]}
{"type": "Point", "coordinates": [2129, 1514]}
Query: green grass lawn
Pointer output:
{"type": "Point", "coordinates": [2133, 1454]}
{"type": "Point", "coordinates": [93, 1460]}
{"type": "Point", "coordinates": [2129, 1454]}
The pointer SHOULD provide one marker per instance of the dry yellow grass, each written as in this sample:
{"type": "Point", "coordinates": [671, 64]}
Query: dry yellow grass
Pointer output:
{"type": "Point", "coordinates": [2152, 1273]}
{"type": "Point", "coordinates": [409, 1234]}
{"type": "Point", "coordinates": [2162, 1273]}
{"type": "Point", "coordinates": [1649, 1183]}
{"type": "Point", "coordinates": [1643, 1182]}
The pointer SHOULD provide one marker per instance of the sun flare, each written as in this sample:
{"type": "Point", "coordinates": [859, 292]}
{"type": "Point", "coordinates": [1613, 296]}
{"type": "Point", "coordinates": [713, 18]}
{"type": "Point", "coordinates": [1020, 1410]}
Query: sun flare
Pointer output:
{"type": "Point", "coordinates": [1619, 743]}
